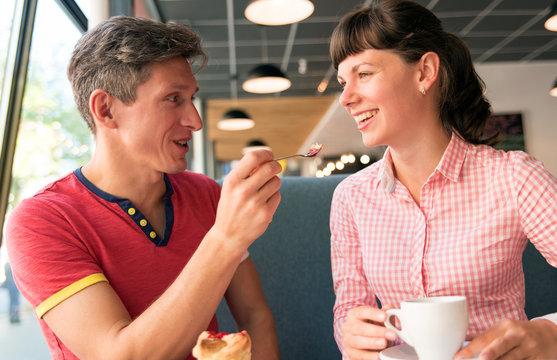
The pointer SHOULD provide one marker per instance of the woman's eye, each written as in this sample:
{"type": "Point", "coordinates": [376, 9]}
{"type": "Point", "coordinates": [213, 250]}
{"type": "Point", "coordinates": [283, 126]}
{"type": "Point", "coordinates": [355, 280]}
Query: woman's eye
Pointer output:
{"type": "Point", "coordinates": [364, 74]}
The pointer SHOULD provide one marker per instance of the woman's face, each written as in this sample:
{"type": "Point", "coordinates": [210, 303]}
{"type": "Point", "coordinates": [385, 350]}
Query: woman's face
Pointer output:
{"type": "Point", "coordinates": [381, 92]}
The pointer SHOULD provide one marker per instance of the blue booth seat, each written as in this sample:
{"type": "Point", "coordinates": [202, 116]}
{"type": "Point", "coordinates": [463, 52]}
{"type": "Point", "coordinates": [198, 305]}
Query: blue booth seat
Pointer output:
{"type": "Point", "coordinates": [293, 260]}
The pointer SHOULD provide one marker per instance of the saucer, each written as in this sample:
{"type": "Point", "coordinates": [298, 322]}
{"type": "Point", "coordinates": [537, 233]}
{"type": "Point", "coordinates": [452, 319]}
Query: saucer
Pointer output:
{"type": "Point", "coordinates": [402, 352]}
{"type": "Point", "coordinates": [399, 352]}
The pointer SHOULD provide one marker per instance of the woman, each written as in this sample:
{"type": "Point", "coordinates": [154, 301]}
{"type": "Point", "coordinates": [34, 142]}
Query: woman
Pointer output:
{"type": "Point", "coordinates": [443, 213]}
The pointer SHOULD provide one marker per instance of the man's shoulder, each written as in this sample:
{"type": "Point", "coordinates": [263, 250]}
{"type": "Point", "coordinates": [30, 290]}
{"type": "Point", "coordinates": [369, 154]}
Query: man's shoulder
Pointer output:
{"type": "Point", "coordinates": [63, 189]}
{"type": "Point", "coordinates": [66, 192]}
{"type": "Point", "coordinates": [192, 179]}
{"type": "Point", "coordinates": [190, 185]}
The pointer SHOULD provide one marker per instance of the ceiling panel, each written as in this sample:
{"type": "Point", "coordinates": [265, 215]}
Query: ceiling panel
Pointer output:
{"type": "Point", "coordinates": [281, 122]}
{"type": "Point", "coordinates": [488, 26]}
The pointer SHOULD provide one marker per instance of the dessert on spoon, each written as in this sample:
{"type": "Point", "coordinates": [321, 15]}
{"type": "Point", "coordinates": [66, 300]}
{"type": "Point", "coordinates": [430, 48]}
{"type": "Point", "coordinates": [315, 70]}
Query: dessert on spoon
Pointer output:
{"type": "Point", "coordinates": [313, 150]}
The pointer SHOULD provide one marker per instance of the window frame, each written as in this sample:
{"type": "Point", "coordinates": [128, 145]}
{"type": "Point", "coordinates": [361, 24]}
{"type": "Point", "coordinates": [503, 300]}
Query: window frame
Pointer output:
{"type": "Point", "coordinates": [15, 78]}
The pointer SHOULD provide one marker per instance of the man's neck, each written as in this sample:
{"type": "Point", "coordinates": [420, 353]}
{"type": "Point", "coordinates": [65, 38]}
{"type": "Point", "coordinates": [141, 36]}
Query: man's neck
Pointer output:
{"type": "Point", "coordinates": [141, 187]}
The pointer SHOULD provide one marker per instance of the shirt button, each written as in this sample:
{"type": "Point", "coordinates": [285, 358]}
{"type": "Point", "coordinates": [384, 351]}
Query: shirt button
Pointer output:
{"type": "Point", "coordinates": [153, 234]}
{"type": "Point", "coordinates": [131, 211]}
{"type": "Point", "coordinates": [143, 222]}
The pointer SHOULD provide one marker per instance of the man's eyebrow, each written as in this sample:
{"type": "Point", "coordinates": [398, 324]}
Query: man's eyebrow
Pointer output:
{"type": "Point", "coordinates": [173, 87]}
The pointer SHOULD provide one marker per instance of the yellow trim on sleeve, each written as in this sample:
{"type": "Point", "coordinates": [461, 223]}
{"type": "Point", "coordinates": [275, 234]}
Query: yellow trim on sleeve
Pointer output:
{"type": "Point", "coordinates": [67, 292]}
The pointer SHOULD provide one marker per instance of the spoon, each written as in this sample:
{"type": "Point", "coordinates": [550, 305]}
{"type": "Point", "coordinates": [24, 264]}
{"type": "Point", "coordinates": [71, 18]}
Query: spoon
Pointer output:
{"type": "Point", "coordinates": [313, 150]}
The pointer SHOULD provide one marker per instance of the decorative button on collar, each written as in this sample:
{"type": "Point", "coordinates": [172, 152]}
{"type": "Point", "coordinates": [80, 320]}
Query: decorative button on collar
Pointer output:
{"type": "Point", "coordinates": [131, 211]}
{"type": "Point", "coordinates": [153, 234]}
{"type": "Point", "coordinates": [143, 222]}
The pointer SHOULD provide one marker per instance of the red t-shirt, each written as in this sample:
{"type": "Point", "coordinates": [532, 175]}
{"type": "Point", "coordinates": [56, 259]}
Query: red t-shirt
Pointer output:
{"type": "Point", "coordinates": [71, 235]}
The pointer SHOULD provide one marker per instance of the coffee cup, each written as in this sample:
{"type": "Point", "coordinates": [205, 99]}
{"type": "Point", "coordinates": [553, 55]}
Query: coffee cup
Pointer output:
{"type": "Point", "coordinates": [434, 326]}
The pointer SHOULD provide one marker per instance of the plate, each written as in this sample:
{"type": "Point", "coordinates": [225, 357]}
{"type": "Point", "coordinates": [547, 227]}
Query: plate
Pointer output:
{"type": "Point", "coordinates": [402, 352]}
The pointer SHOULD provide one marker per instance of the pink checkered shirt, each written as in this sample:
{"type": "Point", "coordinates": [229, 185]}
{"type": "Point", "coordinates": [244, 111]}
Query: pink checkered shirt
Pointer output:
{"type": "Point", "coordinates": [478, 210]}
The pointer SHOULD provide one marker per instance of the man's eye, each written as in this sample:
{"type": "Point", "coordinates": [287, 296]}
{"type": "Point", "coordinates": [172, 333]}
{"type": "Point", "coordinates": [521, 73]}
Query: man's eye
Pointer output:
{"type": "Point", "coordinates": [364, 74]}
{"type": "Point", "coordinates": [173, 98]}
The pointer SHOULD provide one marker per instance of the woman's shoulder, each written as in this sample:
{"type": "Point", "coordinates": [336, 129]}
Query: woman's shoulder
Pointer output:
{"type": "Point", "coordinates": [488, 155]}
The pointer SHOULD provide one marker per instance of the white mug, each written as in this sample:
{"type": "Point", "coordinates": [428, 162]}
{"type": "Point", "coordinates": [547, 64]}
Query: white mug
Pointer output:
{"type": "Point", "coordinates": [434, 326]}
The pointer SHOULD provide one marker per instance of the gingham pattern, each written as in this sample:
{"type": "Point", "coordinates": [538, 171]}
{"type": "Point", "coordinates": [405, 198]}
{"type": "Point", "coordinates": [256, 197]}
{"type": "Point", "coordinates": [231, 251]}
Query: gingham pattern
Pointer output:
{"type": "Point", "coordinates": [478, 209]}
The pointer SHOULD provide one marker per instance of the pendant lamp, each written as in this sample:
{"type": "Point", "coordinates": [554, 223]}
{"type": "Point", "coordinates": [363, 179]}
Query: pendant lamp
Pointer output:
{"type": "Point", "coordinates": [551, 22]}
{"type": "Point", "coordinates": [278, 12]}
{"type": "Point", "coordinates": [553, 91]}
{"type": "Point", "coordinates": [235, 120]}
{"type": "Point", "coordinates": [265, 79]}
{"type": "Point", "coordinates": [254, 145]}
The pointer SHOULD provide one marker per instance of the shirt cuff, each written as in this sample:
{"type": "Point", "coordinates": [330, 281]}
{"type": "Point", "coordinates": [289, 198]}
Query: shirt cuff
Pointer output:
{"type": "Point", "coordinates": [550, 317]}
{"type": "Point", "coordinates": [245, 256]}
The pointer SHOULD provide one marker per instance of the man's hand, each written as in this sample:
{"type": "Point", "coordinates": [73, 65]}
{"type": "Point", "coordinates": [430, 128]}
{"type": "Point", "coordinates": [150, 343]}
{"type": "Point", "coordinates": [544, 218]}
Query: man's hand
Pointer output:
{"type": "Point", "coordinates": [249, 198]}
{"type": "Point", "coordinates": [364, 334]}
{"type": "Point", "coordinates": [514, 339]}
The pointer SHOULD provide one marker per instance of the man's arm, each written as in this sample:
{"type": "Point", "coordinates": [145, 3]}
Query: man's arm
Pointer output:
{"type": "Point", "coordinates": [94, 324]}
{"type": "Point", "coordinates": [251, 312]}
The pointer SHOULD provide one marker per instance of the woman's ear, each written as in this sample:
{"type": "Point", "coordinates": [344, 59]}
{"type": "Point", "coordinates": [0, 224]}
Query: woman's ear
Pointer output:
{"type": "Point", "coordinates": [429, 69]}
{"type": "Point", "coordinates": [100, 105]}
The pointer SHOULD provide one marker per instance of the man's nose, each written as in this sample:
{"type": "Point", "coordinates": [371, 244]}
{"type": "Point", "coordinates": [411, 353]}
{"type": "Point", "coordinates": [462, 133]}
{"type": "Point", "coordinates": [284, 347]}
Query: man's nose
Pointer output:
{"type": "Point", "coordinates": [192, 119]}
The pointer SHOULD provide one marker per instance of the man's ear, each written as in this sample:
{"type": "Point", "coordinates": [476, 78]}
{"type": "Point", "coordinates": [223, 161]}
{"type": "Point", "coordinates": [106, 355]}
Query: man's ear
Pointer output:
{"type": "Point", "coordinates": [100, 105]}
{"type": "Point", "coordinates": [429, 69]}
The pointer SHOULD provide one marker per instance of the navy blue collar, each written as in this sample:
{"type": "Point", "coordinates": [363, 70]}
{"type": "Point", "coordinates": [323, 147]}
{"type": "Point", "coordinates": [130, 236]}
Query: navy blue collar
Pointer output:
{"type": "Point", "coordinates": [134, 213]}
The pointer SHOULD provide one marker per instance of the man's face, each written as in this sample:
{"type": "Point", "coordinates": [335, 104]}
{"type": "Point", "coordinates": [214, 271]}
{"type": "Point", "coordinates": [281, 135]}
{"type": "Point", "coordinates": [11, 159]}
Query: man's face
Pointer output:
{"type": "Point", "coordinates": [154, 130]}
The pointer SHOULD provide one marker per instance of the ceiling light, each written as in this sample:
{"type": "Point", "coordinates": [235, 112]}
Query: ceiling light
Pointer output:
{"type": "Point", "coordinates": [255, 145]}
{"type": "Point", "coordinates": [235, 120]}
{"type": "Point", "coordinates": [551, 22]}
{"type": "Point", "coordinates": [278, 12]}
{"type": "Point", "coordinates": [553, 91]}
{"type": "Point", "coordinates": [322, 86]}
{"type": "Point", "coordinates": [265, 79]}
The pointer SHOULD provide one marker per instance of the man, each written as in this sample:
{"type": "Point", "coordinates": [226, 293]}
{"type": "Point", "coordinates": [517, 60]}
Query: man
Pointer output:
{"type": "Point", "coordinates": [129, 256]}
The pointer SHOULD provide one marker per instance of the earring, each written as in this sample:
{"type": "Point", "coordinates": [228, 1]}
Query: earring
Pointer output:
{"type": "Point", "coordinates": [422, 89]}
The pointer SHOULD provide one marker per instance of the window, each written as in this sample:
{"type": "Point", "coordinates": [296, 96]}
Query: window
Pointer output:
{"type": "Point", "coordinates": [6, 17]}
{"type": "Point", "coordinates": [52, 141]}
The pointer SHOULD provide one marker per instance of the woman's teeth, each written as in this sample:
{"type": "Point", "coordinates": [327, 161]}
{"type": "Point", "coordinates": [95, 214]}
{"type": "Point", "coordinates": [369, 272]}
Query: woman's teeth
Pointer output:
{"type": "Point", "coordinates": [364, 116]}
{"type": "Point", "coordinates": [181, 142]}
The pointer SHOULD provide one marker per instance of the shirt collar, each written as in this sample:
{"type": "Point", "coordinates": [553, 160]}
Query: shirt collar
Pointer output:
{"type": "Point", "coordinates": [452, 161]}
{"type": "Point", "coordinates": [450, 165]}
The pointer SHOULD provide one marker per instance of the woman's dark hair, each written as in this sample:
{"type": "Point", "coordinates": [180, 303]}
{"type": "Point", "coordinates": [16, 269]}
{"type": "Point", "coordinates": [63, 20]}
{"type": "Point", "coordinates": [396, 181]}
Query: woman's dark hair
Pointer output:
{"type": "Point", "coordinates": [411, 30]}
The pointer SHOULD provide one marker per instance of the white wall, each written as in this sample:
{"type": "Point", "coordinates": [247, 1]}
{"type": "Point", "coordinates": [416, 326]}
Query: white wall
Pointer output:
{"type": "Point", "coordinates": [525, 88]}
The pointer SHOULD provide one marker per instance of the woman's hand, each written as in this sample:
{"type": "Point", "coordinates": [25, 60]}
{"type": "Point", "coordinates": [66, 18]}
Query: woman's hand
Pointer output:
{"type": "Point", "coordinates": [364, 333]}
{"type": "Point", "coordinates": [514, 339]}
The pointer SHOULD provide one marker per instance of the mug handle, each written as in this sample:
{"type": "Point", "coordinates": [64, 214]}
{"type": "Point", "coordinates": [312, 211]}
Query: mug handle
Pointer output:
{"type": "Point", "coordinates": [391, 313]}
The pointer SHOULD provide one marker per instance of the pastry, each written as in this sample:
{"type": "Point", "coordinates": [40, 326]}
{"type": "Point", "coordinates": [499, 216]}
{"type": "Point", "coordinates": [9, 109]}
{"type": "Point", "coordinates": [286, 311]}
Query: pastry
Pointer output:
{"type": "Point", "coordinates": [223, 346]}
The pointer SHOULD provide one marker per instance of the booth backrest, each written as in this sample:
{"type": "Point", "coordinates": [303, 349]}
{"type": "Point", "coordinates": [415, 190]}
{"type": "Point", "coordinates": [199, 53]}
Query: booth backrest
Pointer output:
{"type": "Point", "coordinates": [293, 260]}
